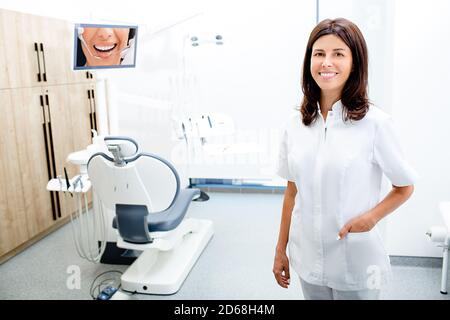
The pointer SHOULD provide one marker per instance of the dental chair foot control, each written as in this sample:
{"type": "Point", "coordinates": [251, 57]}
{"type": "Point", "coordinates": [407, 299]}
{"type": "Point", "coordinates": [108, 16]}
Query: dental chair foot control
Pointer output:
{"type": "Point", "coordinates": [107, 293]}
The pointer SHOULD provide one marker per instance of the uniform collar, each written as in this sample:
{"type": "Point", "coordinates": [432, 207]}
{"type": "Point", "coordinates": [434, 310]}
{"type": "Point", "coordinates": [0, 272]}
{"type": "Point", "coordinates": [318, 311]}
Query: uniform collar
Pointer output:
{"type": "Point", "coordinates": [336, 109]}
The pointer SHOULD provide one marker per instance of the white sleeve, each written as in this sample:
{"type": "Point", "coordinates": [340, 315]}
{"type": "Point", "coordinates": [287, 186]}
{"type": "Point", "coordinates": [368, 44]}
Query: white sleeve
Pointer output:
{"type": "Point", "coordinates": [283, 164]}
{"type": "Point", "coordinates": [389, 155]}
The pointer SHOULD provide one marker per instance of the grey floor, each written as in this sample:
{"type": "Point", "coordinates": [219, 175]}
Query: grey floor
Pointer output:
{"type": "Point", "coordinates": [237, 263]}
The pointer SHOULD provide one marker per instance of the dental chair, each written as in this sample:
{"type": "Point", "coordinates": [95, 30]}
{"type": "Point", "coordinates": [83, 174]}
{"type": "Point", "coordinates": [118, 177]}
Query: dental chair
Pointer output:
{"type": "Point", "coordinates": [150, 216]}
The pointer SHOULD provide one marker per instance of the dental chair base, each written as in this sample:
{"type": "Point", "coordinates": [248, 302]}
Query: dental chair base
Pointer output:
{"type": "Point", "coordinates": [165, 263]}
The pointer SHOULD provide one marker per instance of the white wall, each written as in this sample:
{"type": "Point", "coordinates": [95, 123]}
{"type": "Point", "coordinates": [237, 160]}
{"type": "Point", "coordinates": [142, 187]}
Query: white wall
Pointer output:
{"type": "Point", "coordinates": [254, 78]}
{"type": "Point", "coordinates": [421, 80]}
{"type": "Point", "coordinates": [375, 19]}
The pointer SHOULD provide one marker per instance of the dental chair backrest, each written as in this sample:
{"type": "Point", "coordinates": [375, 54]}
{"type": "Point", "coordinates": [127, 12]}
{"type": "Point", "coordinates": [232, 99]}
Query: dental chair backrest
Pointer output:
{"type": "Point", "coordinates": [133, 178]}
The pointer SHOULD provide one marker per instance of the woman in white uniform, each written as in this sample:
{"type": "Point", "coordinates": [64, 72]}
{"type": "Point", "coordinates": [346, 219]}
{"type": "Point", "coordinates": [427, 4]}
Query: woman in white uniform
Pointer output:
{"type": "Point", "coordinates": [333, 154]}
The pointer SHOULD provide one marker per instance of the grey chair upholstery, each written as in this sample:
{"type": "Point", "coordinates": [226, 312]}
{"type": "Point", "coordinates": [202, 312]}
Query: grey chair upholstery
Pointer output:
{"type": "Point", "coordinates": [134, 222]}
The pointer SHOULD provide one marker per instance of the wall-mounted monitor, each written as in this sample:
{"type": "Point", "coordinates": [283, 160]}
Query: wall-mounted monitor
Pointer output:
{"type": "Point", "coordinates": [101, 46]}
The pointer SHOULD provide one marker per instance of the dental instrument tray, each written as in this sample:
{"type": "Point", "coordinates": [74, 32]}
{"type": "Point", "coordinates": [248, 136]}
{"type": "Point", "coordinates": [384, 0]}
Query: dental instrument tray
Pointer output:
{"type": "Point", "coordinates": [77, 184]}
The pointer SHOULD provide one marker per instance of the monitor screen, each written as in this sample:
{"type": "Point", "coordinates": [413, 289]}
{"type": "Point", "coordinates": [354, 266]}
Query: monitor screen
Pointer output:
{"type": "Point", "coordinates": [100, 46]}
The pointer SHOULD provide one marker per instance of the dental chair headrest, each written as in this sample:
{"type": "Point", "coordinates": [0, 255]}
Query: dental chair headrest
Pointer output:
{"type": "Point", "coordinates": [127, 146]}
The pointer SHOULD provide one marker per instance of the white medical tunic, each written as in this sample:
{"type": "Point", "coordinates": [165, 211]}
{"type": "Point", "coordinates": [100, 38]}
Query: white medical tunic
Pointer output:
{"type": "Point", "coordinates": [337, 167]}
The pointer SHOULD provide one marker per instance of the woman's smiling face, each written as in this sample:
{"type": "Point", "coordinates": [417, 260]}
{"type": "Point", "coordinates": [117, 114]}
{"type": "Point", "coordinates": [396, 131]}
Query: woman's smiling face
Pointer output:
{"type": "Point", "coordinates": [104, 45]}
{"type": "Point", "coordinates": [331, 63]}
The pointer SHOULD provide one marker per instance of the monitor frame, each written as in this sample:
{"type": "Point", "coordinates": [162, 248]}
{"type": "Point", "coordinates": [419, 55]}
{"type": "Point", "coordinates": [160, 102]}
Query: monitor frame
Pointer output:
{"type": "Point", "coordinates": [77, 42]}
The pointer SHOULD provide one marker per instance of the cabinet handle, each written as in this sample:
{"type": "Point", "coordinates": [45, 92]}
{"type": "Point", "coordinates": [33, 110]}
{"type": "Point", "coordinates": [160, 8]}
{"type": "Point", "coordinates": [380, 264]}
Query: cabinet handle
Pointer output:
{"type": "Point", "coordinates": [44, 75]}
{"type": "Point", "coordinates": [90, 111]}
{"type": "Point", "coordinates": [52, 150]}
{"type": "Point", "coordinates": [47, 157]}
{"type": "Point", "coordinates": [94, 111]}
{"type": "Point", "coordinates": [38, 61]}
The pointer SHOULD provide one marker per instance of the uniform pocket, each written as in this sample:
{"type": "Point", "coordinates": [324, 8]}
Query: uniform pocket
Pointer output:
{"type": "Point", "coordinates": [364, 251]}
{"type": "Point", "coordinates": [355, 236]}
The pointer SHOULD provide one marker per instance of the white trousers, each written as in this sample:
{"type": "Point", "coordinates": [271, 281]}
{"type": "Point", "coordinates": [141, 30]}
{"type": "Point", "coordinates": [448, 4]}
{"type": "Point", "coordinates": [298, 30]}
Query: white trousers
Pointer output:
{"type": "Point", "coordinates": [314, 292]}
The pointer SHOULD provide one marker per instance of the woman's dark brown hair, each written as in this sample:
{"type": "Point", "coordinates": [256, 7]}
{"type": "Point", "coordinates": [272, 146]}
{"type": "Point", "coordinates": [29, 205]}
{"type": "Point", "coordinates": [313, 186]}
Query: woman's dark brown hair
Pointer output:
{"type": "Point", "coordinates": [354, 97]}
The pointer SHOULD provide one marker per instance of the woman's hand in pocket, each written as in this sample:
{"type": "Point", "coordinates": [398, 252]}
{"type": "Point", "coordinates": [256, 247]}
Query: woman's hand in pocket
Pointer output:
{"type": "Point", "coordinates": [361, 223]}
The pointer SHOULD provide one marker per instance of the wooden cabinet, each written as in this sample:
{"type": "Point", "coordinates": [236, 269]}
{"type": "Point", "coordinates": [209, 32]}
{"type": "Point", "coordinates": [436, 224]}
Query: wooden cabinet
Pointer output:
{"type": "Point", "coordinates": [31, 132]}
{"type": "Point", "coordinates": [47, 111]}
{"type": "Point", "coordinates": [13, 219]}
{"type": "Point", "coordinates": [15, 59]}
{"type": "Point", "coordinates": [70, 117]}
{"type": "Point", "coordinates": [81, 101]}
{"type": "Point", "coordinates": [4, 75]}
{"type": "Point", "coordinates": [36, 51]}
{"type": "Point", "coordinates": [40, 127]}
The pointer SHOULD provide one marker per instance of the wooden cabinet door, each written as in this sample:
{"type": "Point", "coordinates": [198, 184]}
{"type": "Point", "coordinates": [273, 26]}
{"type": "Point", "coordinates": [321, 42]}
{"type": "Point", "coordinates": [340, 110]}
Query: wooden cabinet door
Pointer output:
{"type": "Point", "coordinates": [20, 55]}
{"type": "Point", "coordinates": [83, 115]}
{"type": "Point", "coordinates": [4, 75]}
{"type": "Point", "coordinates": [54, 46]}
{"type": "Point", "coordinates": [35, 158]}
{"type": "Point", "coordinates": [58, 53]}
{"type": "Point", "coordinates": [54, 122]}
{"type": "Point", "coordinates": [57, 101]}
{"type": "Point", "coordinates": [36, 51]}
{"type": "Point", "coordinates": [50, 124]}
{"type": "Point", "coordinates": [13, 219]}
{"type": "Point", "coordinates": [72, 117]}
